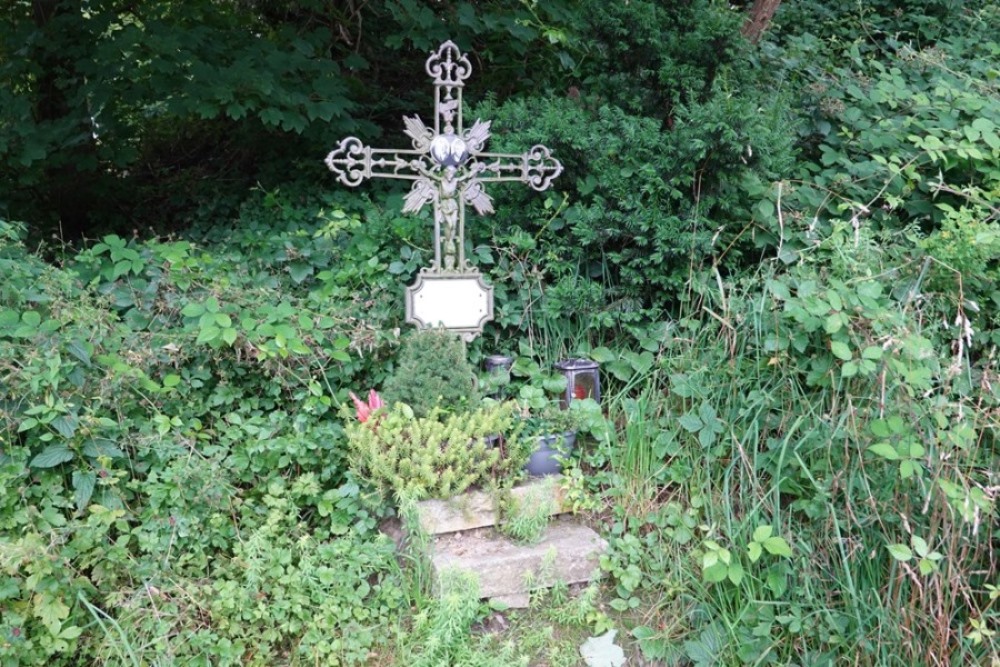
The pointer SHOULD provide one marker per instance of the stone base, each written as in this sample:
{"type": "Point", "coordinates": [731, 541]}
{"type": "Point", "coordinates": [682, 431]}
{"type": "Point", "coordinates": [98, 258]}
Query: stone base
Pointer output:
{"type": "Point", "coordinates": [567, 553]}
{"type": "Point", "coordinates": [476, 509]}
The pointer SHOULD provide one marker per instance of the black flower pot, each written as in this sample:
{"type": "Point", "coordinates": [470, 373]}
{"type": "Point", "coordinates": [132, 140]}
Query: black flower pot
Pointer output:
{"type": "Point", "coordinates": [546, 459]}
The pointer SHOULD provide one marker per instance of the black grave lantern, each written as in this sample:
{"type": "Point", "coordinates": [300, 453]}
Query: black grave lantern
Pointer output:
{"type": "Point", "coordinates": [496, 363]}
{"type": "Point", "coordinates": [582, 380]}
{"type": "Point", "coordinates": [498, 368]}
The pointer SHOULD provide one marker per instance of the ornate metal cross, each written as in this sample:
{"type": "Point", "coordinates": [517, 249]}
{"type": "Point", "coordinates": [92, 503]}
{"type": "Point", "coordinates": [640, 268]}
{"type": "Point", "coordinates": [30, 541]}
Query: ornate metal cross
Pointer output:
{"type": "Point", "coordinates": [448, 167]}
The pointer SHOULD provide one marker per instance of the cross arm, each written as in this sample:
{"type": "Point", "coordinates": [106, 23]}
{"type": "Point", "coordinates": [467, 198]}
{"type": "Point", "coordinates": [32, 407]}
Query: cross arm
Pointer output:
{"type": "Point", "coordinates": [536, 167]}
{"type": "Point", "coordinates": [353, 162]}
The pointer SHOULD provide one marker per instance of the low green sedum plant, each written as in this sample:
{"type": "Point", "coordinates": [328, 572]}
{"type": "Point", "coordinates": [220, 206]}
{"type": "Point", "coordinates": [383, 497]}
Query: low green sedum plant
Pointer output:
{"type": "Point", "coordinates": [437, 456]}
{"type": "Point", "coordinates": [525, 519]}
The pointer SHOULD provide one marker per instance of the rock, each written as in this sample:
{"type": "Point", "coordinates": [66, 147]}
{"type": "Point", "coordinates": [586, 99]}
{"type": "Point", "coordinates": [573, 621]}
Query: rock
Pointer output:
{"type": "Point", "coordinates": [475, 509]}
{"type": "Point", "coordinates": [568, 553]}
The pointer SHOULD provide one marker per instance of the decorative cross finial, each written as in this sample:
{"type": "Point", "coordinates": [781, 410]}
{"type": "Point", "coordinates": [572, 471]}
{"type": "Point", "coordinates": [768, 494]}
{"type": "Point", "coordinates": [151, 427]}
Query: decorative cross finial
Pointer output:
{"type": "Point", "coordinates": [448, 167]}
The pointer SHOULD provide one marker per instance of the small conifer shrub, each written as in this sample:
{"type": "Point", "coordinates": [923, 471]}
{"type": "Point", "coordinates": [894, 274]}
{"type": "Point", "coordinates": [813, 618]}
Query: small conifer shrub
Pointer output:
{"type": "Point", "coordinates": [433, 372]}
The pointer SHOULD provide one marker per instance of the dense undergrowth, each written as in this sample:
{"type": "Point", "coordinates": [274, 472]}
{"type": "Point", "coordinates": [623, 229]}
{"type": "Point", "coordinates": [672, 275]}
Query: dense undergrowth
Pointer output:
{"type": "Point", "coordinates": [788, 274]}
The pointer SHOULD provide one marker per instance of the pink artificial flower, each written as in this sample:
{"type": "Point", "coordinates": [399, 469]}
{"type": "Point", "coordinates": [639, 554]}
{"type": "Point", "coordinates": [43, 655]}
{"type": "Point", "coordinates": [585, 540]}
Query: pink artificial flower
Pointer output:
{"type": "Point", "coordinates": [365, 409]}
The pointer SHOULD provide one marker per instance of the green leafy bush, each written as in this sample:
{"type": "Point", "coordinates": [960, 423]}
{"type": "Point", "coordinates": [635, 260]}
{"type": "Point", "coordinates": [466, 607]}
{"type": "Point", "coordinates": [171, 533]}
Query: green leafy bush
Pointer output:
{"type": "Point", "coordinates": [163, 402]}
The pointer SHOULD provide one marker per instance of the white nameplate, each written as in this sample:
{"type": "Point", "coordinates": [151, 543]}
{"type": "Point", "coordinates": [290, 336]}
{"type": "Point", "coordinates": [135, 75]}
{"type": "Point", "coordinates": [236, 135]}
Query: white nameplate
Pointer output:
{"type": "Point", "coordinates": [459, 302]}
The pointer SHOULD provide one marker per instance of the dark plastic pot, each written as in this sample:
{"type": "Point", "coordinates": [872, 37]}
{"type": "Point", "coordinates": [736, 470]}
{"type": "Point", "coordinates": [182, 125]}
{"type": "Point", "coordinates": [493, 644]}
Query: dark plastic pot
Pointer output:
{"type": "Point", "coordinates": [546, 458]}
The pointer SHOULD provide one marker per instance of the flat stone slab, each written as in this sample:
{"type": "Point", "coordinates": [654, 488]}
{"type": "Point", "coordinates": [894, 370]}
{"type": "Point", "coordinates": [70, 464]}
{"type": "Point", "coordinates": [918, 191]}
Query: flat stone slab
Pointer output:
{"type": "Point", "coordinates": [568, 553]}
{"type": "Point", "coordinates": [475, 509]}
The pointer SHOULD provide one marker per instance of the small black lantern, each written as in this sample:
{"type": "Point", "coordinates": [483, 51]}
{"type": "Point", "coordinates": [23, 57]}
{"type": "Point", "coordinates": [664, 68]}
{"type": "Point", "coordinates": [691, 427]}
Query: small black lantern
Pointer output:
{"type": "Point", "coordinates": [497, 373]}
{"type": "Point", "coordinates": [582, 380]}
{"type": "Point", "coordinates": [496, 363]}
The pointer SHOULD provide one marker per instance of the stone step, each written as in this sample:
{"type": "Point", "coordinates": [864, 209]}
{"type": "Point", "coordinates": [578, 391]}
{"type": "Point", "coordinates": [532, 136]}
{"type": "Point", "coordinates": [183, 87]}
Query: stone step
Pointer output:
{"type": "Point", "coordinates": [567, 553]}
{"type": "Point", "coordinates": [476, 509]}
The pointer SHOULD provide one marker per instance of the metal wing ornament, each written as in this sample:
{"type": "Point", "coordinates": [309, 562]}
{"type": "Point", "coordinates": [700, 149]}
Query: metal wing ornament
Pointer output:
{"type": "Point", "coordinates": [477, 135]}
{"type": "Point", "coordinates": [475, 194]}
{"type": "Point", "coordinates": [421, 192]}
{"type": "Point", "coordinates": [420, 133]}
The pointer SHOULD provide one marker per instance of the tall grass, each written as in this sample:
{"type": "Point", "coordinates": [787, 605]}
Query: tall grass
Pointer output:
{"type": "Point", "coordinates": [798, 452]}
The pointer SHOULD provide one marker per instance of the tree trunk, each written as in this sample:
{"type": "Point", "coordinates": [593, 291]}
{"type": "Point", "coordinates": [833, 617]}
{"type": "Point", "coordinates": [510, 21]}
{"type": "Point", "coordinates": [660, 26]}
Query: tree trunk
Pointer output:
{"type": "Point", "coordinates": [760, 18]}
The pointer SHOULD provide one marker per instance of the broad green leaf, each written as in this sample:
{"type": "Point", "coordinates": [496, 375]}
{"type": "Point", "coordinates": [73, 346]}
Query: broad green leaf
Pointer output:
{"type": "Point", "coordinates": [983, 125]}
{"type": "Point", "coordinates": [193, 310]}
{"type": "Point", "coordinates": [51, 610]}
{"type": "Point", "coordinates": [81, 350]}
{"type": "Point", "coordinates": [31, 318]}
{"type": "Point", "coordinates": [872, 353]}
{"type": "Point", "coordinates": [777, 582]}
{"type": "Point", "coordinates": [621, 370]}
{"type": "Point", "coordinates": [9, 588]}
{"type": "Point", "coordinates": [779, 290]}
{"type": "Point", "coordinates": [756, 550]}
{"type": "Point", "coordinates": [870, 289]}
{"type": "Point", "coordinates": [299, 271]}
{"type": "Point", "coordinates": [642, 362]}
{"type": "Point", "coordinates": [83, 487]}
{"type": "Point", "coordinates": [690, 422]}
{"type": "Point", "coordinates": [896, 424]}
{"type": "Point", "coordinates": [715, 573]}
{"type": "Point", "coordinates": [52, 456]}
{"type": "Point", "coordinates": [885, 450]}
{"type": "Point", "coordinates": [880, 428]}
{"type": "Point", "coordinates": [765, 209]}
{"type": "Point", "coordinates": [208, 334]}
{"type": "Point", "coordinates": [65, 425]}
{"type": "Point", "coordinates": [777, 546]}
{"type": "Point", "coordinates": [920, 546]}
{"type": "Point", "coordinates": [736, 573]}
{"type": "Point", "coordinates": [98, 447]}
{"type": "Point", "coordinates": [554, 383]}
{"type": "Point", "coordinates": [761, 533]}
{"type": "Point", "coordinates": [900, 552]}
{"type": "Point", "coordinates": [841, 350]}
{"type": "Point", "coordinates": [171, 380]}
{"type": "Point", "coordinates": [835, 301]}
